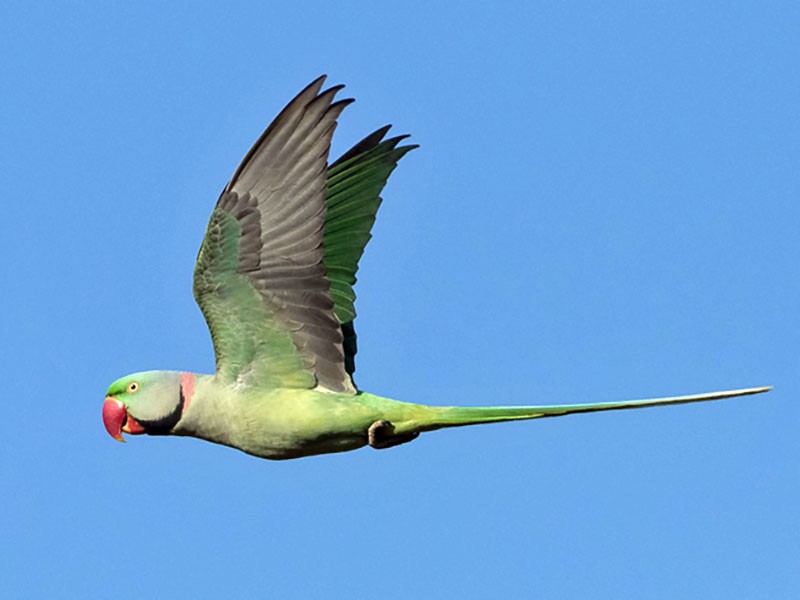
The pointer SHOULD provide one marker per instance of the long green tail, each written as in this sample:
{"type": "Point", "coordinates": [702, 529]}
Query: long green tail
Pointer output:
{"type": "Point", "coordinates": [455, 416]}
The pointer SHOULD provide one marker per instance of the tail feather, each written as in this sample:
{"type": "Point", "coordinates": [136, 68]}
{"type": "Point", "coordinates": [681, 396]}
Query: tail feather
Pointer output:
{"type": "Point", "coordinates": [455, 416]}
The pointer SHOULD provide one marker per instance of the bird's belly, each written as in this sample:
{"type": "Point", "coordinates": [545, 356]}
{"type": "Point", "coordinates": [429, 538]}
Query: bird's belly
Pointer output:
{"type": "Point", "coordinates": [291, 424]}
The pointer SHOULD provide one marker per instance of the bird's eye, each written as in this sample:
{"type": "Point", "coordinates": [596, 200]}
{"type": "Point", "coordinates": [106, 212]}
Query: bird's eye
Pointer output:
{"type": "Point", "coordinates": [133, 387]}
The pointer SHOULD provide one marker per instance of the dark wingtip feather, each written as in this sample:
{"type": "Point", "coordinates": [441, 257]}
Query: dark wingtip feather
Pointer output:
{"type": "Point", "coordinates": [333, 89]}
{"type": "Point", "coordinates": [393, 142]}
{"type": "Point", "coordinates": [327, 96]}
{"type": "Point", "coordinates": [343, 102]}
{"type": "Point", "coordinates": [369, 142]}
{"type": "Point", "coordinates": [319, 80]}
{"type": "Point", "coordinates": [308, 94]}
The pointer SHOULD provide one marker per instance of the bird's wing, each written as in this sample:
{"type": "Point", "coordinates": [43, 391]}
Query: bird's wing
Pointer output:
{"type": "Point", "coordinates": [355, 182]}
{"type": "Point", "coordinates": [260, 279]}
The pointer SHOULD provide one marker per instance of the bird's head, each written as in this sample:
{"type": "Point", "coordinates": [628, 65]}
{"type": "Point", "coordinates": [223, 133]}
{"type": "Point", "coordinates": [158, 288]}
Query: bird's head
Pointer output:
{"type": "Point", "coordinates": [148, 402]}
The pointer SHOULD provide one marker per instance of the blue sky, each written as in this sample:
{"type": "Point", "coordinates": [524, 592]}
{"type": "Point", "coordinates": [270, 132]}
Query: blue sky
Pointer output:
{"type": "Point", "coordinates": [604, 206]}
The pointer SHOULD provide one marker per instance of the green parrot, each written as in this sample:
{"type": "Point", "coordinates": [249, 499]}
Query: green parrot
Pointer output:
{"type": "Point", "coordinates": [274, 279]}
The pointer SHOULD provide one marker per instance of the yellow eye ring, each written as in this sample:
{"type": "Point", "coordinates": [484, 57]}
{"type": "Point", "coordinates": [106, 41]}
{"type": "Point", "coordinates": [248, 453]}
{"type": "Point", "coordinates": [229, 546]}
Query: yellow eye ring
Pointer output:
{"type": "Point", "coordinates": [133, 387]}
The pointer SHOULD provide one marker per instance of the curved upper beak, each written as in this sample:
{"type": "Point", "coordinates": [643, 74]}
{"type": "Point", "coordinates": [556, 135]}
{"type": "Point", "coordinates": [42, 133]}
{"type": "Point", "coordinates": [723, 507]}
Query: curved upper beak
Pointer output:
{"type": "Point", "coordinates": [114, 417]}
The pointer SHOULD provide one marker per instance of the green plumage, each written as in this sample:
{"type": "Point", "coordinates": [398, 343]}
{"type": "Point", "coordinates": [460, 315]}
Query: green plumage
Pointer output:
{"type": "Point", "coordinates": [353, 198]}
{"type": "Point", "coordinates": [248, 343]}
{"type": "Point", "coordinates": [354, 184]}
{"type": "Point", "coordinates": [274, 279]}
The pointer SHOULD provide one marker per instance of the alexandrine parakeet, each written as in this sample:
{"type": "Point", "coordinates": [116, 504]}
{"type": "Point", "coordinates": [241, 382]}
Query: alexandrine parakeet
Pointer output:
{"type": "Point", "coordinates": [274, 279]}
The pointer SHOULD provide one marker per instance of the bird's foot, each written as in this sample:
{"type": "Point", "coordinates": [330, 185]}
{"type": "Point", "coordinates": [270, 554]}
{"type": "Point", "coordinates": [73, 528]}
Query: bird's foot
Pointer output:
{"type": "Point", "coordinates": [381, 435]}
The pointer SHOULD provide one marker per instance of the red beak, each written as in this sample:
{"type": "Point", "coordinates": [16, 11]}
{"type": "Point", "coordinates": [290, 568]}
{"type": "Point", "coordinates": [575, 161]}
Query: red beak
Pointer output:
{"type": "Point", "coordinates": [116, 419]}
{"type": "Point", "coordinates": [114, 416]}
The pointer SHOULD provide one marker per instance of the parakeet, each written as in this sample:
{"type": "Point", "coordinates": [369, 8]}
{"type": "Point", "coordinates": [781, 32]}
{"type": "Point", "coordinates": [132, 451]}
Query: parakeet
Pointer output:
{"type": "Point", "coordinates": [274, 280]}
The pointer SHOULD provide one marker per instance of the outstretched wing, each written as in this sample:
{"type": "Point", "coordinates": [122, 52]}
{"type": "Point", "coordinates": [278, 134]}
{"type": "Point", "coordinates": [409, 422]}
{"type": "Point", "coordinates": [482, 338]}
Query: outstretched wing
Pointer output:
{"type": "Point", "coordinates": [355, 182]}
{"type": "Point", "coordinates": [260, 279]}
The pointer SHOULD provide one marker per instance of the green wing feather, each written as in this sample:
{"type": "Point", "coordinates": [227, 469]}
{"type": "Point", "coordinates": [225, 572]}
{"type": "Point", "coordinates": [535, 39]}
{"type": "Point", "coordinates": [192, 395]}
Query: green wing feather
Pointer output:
{"type": "Point", "coordinates": [355, 182]}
